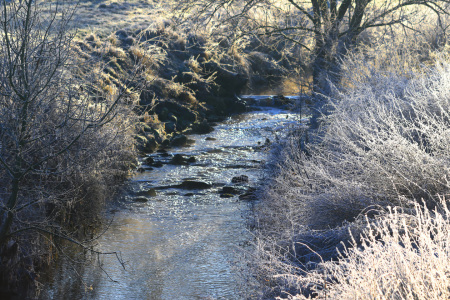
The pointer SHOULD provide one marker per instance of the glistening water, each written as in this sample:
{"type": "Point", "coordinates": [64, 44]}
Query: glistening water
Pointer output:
{"type": "Point", "coordinates": [180, 244]}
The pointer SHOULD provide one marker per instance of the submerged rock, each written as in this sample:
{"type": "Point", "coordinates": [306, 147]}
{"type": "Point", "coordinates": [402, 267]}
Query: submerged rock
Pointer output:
{"type": "Point", "coordinates": [240, 179]}
{"type": "Point", "coordinates": [149, 193]}
{"type": "Point", "coordinates": [229, 190]}
{"type": "Point", "coordinates": [178, 159]}
{"type": "Point", "coordinates": [194, 185]}
{"type": "Point", "coordinates": [179, 140]}
{"type": "Point", "coordinates": [149, 160]}
{"type": "Point", "coordinates": [226, 195]}
{"type": "Point", "coordinates": [141, 199]}
{"type": "Point", "coordinates": [249, 195]}
{"type": "Point", "coordinates": [157, 164]}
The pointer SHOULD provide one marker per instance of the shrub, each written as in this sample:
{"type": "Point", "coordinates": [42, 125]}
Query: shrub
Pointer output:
{"type": "Point", "coordinates": [398, 256]}
{"type": "Point", "coordinates": [65, 137]}
{"type": "Point", "coordinates": [383, 143]}
{"type": "Point", "coordinates": [386, 137]}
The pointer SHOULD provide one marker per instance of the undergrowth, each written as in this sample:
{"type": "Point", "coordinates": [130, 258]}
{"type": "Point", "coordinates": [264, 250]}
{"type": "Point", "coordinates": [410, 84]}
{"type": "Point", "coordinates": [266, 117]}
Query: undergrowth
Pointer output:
{"type": "Point", "coordinates": [344, 209]}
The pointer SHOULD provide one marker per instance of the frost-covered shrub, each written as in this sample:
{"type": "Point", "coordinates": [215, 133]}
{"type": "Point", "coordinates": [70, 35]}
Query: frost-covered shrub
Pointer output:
{"type": "Point", "coordinates": [384, 144]}
{"type": "Point", "coordinates": [386, 138]}
{"type": "Point", "coordinates": [398, 256]}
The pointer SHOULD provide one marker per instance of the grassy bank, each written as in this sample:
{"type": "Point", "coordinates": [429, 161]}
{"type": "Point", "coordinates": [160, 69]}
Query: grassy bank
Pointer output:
{"type": "Point", "coordinates": [360, 212]}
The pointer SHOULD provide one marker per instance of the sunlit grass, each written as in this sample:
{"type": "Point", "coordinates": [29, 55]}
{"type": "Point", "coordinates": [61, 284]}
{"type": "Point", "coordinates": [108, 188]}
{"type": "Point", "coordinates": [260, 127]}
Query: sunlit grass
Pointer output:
{"type": "Point", "coordinates": [104, 17]}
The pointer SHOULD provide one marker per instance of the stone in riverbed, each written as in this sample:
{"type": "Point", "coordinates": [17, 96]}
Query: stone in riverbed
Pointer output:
{"type": "Point", "coordinates": [149, 160]}
{"type": "Point", "coordinates": [149, 193]}
{"type": "Point", "coordinates": [157, 164]}
{"type": "Point", "coordinates": [249, 195]}
{"type": "Point", "coordinates": [165, 143]}
{"type": "Point", "coordinates": [226, 195]}
{"type": "Point", "coordinates": [141, 199]}
{"type": "Point", "coordinates": [240, 179]}
{"type": "Point", "coordinates": [229, 190]}
{"type": "Point", "coordinates": [179, 140]}
{"type": "Point", "coordinates": [202, 127]}
{"type": "Point", "coordinates": [193, 185]}
{"type": "Point", "coordinates": [178, 159]}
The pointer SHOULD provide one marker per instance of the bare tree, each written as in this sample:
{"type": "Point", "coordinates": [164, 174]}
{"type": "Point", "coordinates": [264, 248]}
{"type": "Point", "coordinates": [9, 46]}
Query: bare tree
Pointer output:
{"type": "Point", "coordinates": [325, 29]}
{"type": "Point", "coordinates": [51, 112]}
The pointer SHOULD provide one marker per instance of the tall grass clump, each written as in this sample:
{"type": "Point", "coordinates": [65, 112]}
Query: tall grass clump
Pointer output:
{"type": "Point", "coordinates": [383, 143]}
{"type": "Point", "coordinates": [399, 255]}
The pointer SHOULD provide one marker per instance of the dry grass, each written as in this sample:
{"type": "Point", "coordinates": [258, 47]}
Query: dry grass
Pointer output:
{"type": "Point", "coordinates": [383, 143]}
{"type": "Point", "coordinates": [106, 16]}
{"type": "Point", "coordinates": [398, 256]}
{"type": "Point", "coordinates": [386, 138]}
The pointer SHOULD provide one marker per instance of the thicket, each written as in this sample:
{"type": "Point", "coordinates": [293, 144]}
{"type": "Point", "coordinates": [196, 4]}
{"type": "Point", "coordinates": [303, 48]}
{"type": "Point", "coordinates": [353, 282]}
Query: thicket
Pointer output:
{"type": "Point", "coordinates": [346, 210]}
{"type": "Point", "coordinates": [65, 140]}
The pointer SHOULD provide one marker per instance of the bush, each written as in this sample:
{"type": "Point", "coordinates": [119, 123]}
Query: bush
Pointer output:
{"type": "Point", "coordinates": [383, 143]}
{"type": "Point", "coordinates": [385, 138]}
{"type": "Point", "coordinates": [65, 138]}
{"type": "Point", "coordinates": [399, 256]}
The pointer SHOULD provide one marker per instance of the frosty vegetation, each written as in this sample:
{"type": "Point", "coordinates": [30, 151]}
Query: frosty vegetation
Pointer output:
{"type": "Point", "coordinates": [356, 209]}
{"type": "Point", "coordinates": [64, 142]}
{"type": "Point", "coordinates": [399, 255]}
{"type": "Point", "coordinates": [360, 213]}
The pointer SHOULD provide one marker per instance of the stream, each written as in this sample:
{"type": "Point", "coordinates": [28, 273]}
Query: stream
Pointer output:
{"type": "Point", "coordinates": [181, 241]}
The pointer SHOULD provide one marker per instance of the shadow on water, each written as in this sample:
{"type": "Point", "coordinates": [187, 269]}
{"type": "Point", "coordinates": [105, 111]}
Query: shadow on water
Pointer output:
{"type": "Point", "coordinates": [179, 242]}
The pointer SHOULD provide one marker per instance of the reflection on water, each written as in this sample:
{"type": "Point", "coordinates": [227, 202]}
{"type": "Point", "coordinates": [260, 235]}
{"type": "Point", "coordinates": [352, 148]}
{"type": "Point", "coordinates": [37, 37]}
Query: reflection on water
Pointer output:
{"type": "Point", "coordinates": [180, 244]}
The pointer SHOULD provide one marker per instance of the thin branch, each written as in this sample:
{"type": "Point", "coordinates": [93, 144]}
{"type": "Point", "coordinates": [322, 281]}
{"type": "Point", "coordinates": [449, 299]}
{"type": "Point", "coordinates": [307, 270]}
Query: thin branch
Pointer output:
{"type": "Point", "coordinates": [302, 10]}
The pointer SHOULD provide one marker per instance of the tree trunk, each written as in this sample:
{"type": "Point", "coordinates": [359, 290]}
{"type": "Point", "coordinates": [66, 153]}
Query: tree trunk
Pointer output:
{"type": "Point", "coordinates": [324, 70]}
{"type": "Point", "coordinates": [8, 215]}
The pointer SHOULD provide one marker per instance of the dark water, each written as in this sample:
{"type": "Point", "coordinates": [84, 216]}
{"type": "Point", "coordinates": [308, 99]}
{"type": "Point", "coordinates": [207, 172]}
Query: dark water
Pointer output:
{"type": "Point", "coordinates": [181, 244]}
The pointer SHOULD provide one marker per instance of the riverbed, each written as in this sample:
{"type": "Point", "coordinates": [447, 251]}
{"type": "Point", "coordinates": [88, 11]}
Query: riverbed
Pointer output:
{"type": "Point", "coordinates": [179, 241]}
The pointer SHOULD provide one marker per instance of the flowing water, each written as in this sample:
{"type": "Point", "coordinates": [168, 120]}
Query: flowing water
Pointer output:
{"type": "Point", "coordinates": [180, 244]}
